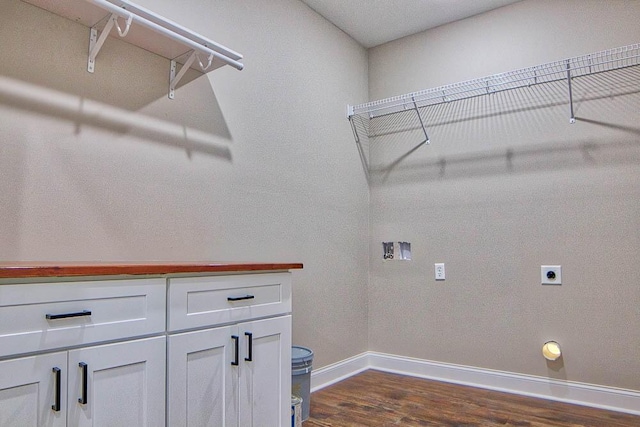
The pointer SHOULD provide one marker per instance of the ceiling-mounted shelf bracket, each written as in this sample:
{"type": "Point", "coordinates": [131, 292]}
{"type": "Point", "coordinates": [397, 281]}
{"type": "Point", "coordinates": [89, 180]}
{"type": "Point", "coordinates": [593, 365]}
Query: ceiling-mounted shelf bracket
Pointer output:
{"type": "Point", "coordinates": [572, 118]}
{"type": "Point", "coordinates": [95, 42]}
{"type": "Point", "coordinates": [415, 106]}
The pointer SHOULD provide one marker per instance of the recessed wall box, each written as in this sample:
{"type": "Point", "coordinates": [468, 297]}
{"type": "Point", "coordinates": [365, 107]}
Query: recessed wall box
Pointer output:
{"type": "Point", "coordinates": [399, 251]}
{"type": "Point", "coordinates": [404, 251]}
{"type": "Point", "coordinates": [387, 250]}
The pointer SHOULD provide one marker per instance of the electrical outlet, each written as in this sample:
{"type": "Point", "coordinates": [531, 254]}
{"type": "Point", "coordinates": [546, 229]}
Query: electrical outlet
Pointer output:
{"type": "Point", "coordinates": [551, 274]}
{"type": "Point", "coordinates": [439, 270]}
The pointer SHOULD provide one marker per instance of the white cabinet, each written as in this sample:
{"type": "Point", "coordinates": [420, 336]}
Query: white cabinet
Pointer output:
{"type": "Point", "coordinates": [205, 350]}
{"type": "Point", "coordinates": [201, 382]}
{"type": "Point", "coordinates": [238, 374]}
{"type": "Point", "coordinates": [83, 383]}
{"type": "Point", "coordinates": [43, 316]}
{"type": "Point", "coordinates": [32, 391]}
{"type": "Point", "coordinates": [197, 302]}
{"type": "Point", "coordinates": [110, 385]}
{"type": "Point", "coordinates": [265, 381]}
{"type": "Point", "coordinates": [119, 384]}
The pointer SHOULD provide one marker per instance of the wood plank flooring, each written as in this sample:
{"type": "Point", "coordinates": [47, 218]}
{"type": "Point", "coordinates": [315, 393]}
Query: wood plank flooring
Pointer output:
{"type": "Point", "coordinates": [375, 398]}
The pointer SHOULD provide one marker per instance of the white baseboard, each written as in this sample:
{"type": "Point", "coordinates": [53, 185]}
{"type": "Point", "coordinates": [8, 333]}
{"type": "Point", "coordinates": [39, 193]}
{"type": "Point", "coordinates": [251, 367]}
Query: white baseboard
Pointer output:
{"type": "Point", "coordinates": [596, 396]}
{"type": "Point", "coordinates": [339, 371]}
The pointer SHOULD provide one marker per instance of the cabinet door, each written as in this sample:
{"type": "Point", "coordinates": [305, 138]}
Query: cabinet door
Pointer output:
{"type": "Point", "coordinates": [202, 382]}
{"type": "Point", "coordinates": [265, 372]}
{"type": "Point", "coordinates": [32, 391]}
{"type": "Point", "coordinates": [118, 385]}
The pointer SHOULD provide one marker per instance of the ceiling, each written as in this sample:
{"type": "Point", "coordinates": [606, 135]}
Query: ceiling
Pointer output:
{"type": "Point", "coordinates": [374, 22]}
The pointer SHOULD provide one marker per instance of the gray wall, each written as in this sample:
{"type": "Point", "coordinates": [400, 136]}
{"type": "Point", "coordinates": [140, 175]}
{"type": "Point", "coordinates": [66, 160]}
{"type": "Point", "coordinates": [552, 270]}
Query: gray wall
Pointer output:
{"type": "Point", "coordinates": [104, 167]}
{"type": "Point", "coordinates": [139, 177]}
{"type": "Point", "coordinates": [506, 186]}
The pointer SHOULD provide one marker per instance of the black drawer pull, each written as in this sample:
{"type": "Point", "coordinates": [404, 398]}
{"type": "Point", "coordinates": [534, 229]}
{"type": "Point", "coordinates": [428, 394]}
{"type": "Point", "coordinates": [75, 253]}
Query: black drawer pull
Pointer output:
{"type": "Point", "coordinates": [240, 298]}
{"type": "Point", "coordinates": [83, 399]}
{"type": "Point", "coordinates": [249, 336]}
{"type": "Point", "coordinates": [56, 405]}
{"type": "Point", "coordinates": [236, 338]}
{"type": "Point", "coordinates": [67, 315]}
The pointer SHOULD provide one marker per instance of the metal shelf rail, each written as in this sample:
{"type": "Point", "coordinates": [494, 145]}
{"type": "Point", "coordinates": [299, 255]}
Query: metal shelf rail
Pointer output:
{"type": "Point", "coordinates": [567, 69]}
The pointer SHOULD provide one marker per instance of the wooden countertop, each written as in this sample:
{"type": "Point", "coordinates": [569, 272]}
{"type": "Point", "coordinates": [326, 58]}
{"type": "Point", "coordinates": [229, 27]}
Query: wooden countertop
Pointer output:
{"type": "Point", "coordinates": [57, 269]}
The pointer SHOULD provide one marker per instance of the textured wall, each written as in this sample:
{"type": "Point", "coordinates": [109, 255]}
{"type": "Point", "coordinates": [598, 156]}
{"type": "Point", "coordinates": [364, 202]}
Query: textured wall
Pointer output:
{"type": "Point", "coordinates": [104, 167]}
{"type": "Point", "coordinates": [507, 185]}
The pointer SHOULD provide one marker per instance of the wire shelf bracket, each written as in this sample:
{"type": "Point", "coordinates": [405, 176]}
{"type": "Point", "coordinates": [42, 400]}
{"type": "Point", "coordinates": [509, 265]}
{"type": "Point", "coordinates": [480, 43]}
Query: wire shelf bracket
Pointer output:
{"type": "Point", "coordinates": [426, 136]}
{"type": "Point", "coordinates": [567, 69]}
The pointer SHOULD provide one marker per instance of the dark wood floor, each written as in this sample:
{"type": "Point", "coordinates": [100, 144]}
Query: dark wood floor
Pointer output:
{"type": "Point", "coordinates": [375, 398]}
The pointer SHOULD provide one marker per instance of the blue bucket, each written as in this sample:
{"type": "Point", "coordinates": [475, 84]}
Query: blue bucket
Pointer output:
{"type": "Point", "coordinates": [301, 360]}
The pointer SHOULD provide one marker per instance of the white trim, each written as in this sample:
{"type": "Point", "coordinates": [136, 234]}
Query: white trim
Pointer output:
{"type": "Point", "coordinates": [331, 374]}
{"type": "Point", "coordinates": [596, 396]}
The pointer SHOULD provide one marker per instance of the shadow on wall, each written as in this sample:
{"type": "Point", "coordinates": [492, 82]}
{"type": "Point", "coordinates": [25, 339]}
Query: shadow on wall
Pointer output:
{"type": "Point", "coordinates": [517, 131]}
{"type": "Point", "coordinates": [535, 158]}
{"type": "Point", "coordinates": [13, 155]}
{"type": "Point", "coordinates": [82, 111]}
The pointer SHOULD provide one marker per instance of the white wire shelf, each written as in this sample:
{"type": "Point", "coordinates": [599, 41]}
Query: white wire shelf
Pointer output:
{"type": "Point", "coordinates": [563, 70]}
{"type": "Point", "coordinates": [146, 29]}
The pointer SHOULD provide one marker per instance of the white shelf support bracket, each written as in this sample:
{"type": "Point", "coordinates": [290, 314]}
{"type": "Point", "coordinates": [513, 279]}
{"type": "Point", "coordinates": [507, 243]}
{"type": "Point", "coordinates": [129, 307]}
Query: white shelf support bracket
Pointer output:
{"type": "Point", "coordinates": [415, 106]}
{"type": "Point", "coordinates": [572, 118]}
{"type": "Point", "coordinates": [95, 42]}
{"type": "Point", "coordinates": [349, 111]}
{"type": "Point", "coordinates": [355, 131]}
{"type": "Point", "coordinates": [175, 78]}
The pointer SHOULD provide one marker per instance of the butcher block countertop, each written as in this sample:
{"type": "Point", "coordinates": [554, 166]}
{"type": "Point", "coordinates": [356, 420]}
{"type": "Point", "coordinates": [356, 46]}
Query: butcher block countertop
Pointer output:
{"type": "Point", "coordinates": [21, 270]}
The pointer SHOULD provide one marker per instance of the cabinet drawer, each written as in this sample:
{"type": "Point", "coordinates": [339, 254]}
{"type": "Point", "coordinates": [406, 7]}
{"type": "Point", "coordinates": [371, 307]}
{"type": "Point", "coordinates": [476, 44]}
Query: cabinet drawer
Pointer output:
{"type": "Point", "coordinates": [204, 301]}
{"type": "Point", "coordinates": [42, 316]}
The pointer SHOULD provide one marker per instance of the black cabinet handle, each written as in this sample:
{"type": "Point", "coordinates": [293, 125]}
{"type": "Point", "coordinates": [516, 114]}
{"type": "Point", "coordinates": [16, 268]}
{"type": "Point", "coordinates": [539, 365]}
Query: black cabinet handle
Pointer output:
{"type": "Point", "coordinates": [240, 298]}
{"type": "Point", "coordinates": [235, 338]}
{"type": "Point", "coordinates": [56, 405]}
{"type": "Point", "coordinates": [249, 336]}
{"type": "Point", "coordinates": [67, 315]}
{"type": "Point", "coordinates": [83, 399]}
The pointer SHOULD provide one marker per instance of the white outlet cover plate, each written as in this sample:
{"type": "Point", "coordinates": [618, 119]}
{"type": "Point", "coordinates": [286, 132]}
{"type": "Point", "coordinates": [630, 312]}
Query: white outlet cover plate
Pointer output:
{"type": "Point", "coordinates": [439, 271]}
{"type": "Point", "coordinates": [557, 269]}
